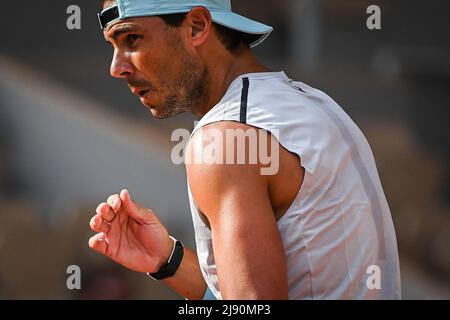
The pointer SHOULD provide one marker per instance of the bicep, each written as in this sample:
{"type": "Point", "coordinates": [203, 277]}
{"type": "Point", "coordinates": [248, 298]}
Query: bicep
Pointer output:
{"type": "Point", "coordinates": [248, 249]}
{"type": "Point", "coordinates": [247, 245]}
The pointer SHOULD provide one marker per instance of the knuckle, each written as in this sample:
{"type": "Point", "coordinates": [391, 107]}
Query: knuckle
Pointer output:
{"type": "Point", "coordinates": [99, 207]}
{"type": "Point", "coordinates": [112, 200]}
{"type": "Point", "coordinates": [92, 242]}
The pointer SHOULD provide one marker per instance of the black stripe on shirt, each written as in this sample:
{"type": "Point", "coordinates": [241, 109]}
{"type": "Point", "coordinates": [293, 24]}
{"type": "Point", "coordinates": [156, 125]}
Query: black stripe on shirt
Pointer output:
{"type": "Point", "coordinates": [244, 100]}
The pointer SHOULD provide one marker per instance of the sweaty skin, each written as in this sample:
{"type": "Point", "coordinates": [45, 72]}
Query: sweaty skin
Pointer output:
{"type": "Point", "coordinates": [187, 69]}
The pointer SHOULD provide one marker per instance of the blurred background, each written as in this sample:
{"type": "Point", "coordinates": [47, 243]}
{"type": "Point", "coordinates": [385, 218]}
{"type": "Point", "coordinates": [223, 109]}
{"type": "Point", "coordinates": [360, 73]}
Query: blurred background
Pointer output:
{"type": "Point", "coordinates": [70, 135]}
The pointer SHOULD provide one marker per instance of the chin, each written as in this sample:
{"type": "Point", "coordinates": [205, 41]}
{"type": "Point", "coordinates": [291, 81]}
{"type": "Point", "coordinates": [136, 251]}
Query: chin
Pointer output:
{"type": "Point", "coordinates": [158, 115]}
{"type": "Point", "coordinates": [160, 112]}
{"type": "Point", "coordinates": [156, 112]}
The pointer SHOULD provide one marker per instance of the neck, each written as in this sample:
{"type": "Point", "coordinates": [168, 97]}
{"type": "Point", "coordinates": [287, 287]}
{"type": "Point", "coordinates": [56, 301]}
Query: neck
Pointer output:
{"type": "Point", "coordinates": [222, 74]}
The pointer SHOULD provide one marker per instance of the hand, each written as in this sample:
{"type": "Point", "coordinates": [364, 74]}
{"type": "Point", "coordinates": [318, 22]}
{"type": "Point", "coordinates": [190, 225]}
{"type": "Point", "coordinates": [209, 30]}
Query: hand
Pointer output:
{"type": "Point", "coordinates": [130, 235]}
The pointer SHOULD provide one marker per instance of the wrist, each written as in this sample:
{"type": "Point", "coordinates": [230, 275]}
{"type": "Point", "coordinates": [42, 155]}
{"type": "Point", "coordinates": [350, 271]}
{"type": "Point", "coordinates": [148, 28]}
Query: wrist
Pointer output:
{"type": "Point", "coordinates": [170, 247]}
{"type": "Point", "coordinates": [169, 266]}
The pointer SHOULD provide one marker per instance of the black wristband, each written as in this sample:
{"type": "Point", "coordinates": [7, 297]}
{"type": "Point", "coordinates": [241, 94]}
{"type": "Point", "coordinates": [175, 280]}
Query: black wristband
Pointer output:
{"type": "Point", "coordinates": [171, 267]}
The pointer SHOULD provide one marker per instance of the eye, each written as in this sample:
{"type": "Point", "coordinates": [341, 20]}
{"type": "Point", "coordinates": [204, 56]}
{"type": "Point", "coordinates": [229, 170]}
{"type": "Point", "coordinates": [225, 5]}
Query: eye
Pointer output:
{"type": "Point", "coordinates": [132, 38]}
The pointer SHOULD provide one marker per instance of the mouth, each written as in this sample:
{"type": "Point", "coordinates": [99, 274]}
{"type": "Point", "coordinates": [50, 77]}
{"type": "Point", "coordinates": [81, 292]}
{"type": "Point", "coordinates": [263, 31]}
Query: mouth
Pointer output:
{"type": "Point", "coordinates": [143, 93]}
{"type": "Point", "coordinates": [140, 92]}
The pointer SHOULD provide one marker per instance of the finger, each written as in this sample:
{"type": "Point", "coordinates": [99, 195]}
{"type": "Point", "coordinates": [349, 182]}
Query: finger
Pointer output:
{"type": "Point", "coordinates": [130, 208]}
{"type": "Point", "coordinates": [99, 243]}
{"type": "Point", "coordinates": [114, 202]}
{"type": "Point", "coordinates": [105, 211]}
{"type": "Point", "coordinates": [98, 224]}
{"type": "Point", "coordinates": [126, 201]}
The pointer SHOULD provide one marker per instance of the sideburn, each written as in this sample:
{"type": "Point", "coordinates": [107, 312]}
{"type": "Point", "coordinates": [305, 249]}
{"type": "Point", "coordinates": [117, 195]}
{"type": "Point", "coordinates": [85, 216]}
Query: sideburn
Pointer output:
{"type": "Point", "coordinates": [193, 83]}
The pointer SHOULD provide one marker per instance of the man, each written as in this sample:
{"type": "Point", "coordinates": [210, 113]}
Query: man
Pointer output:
{"type": "Point", "coordinates": [318, 227]}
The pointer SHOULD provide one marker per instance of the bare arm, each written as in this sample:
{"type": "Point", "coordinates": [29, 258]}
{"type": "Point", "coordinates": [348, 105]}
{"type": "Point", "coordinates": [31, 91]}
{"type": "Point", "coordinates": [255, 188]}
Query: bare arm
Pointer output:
{"type": "Point", "coordinates": [134, 237]}
{"type": "Point", "coordinates": [188, 281]}
{"type": "Point", "coordinates": [247, 245]}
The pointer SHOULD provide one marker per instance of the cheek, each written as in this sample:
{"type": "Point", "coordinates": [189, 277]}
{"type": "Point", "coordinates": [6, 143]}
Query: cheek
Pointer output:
{"type": "Point", "coordinates": [167, 70]}
{"type": "Point", "coordinates": [144, 61]}
{"type": "Point", "coordinates": [161, 64]}
{"type": "Point", "coordinates": [148, 67]}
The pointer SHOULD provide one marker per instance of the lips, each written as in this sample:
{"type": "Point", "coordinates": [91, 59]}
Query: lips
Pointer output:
{"type": "Point", "coordinates": [140, 92]}
{"type": "Point", "coordinates": [143, 93]}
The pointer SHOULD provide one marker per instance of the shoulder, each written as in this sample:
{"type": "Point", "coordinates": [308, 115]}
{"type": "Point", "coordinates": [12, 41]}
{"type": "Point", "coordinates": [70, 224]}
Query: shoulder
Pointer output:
{"type": "Point", "coordinates": [227, 142]}
{"type": "Point", "coordinates": [224, 161]}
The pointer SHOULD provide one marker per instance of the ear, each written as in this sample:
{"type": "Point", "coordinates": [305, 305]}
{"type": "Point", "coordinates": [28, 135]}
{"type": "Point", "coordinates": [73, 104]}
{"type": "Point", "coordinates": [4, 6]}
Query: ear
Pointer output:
{"type": "Point", "coordinates": [200, 23]}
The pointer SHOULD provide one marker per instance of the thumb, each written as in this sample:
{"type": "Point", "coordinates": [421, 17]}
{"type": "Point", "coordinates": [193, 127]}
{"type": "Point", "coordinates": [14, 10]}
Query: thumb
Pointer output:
{"type": "Point", "coordinates": [131, 209]}
{"type": "Point", "coordinates": [99, 243]}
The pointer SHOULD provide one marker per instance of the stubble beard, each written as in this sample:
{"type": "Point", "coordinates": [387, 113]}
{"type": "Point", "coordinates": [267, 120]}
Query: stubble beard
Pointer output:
{"type": "Point", "coordinates": [189, 91]}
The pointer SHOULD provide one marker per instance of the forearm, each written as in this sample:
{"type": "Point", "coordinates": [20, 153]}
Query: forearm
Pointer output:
{"type": "Point", "coordinates": [188, 281]}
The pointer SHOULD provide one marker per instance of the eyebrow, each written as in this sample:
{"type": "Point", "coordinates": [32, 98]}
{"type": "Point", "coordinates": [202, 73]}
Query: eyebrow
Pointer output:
{"type": "Point", "coordinates": [123, 28]}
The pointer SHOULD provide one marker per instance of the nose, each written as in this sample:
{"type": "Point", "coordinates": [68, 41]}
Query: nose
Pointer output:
{"type": "Point", "coordinates": [120, 66]}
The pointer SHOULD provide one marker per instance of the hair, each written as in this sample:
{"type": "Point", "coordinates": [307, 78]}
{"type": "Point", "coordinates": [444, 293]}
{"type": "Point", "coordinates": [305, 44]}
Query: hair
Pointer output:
{"type": "Point", "coordinates": [230, 39]}
{"type": "Point", "coordinates": [108, 3]}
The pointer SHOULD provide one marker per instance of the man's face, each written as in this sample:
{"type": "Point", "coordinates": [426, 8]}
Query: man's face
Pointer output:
{"type": "Point", "coordinates": [152, 58]}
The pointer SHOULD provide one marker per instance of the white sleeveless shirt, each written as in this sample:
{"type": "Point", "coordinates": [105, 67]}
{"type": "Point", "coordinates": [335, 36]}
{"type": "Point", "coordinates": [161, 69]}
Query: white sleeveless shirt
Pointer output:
{"type": "Point", "coordinates": [338, 234]}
